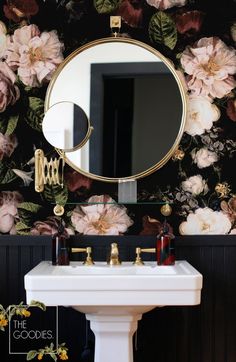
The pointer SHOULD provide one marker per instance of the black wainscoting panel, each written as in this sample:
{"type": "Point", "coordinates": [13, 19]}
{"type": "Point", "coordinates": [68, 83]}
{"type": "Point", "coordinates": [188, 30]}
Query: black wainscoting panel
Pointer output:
{"type": "Point", "coordinates": [204, 333]}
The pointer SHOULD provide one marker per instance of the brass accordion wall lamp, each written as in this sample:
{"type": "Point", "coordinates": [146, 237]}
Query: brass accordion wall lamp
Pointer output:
{"type": "Point", "coordinates": [48, 171]}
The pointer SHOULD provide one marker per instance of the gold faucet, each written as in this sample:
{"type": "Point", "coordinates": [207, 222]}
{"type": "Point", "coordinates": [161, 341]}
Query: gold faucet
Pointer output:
{"type": "Point", "coordinates": [114, 256]}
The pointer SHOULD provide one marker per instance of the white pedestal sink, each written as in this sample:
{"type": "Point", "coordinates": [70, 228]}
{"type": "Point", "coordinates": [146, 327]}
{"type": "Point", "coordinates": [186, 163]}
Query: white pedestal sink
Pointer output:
{"type": "Point", "coordinates": [114, 298]}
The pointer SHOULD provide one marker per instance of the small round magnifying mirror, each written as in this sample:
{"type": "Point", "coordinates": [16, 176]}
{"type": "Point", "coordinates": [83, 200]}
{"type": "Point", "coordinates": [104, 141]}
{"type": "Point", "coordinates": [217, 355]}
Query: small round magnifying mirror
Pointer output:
{"type": "Point", "coordinates": [66, 126]}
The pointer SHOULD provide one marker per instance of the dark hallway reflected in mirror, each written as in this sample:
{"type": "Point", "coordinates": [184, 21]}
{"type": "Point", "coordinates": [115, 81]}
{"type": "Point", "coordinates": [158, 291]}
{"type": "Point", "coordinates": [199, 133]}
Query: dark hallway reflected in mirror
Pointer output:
{"type": "Point", "coordinates": [136, 111]}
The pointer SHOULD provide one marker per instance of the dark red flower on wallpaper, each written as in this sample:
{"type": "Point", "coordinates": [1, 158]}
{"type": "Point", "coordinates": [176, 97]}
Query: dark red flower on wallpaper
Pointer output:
{"type": "Point", "coordinates": [189, 22]}
{"type": "Point", "coordinates": [17, 10]}
{"type": "Point", "coordinates": [75, 181]}
{"type": "Point", "coordinates": [152, 226]}
{"type": "Point", "coordinates": [131, 12]}
{"type": "Point", "coordinates": [231, 109]}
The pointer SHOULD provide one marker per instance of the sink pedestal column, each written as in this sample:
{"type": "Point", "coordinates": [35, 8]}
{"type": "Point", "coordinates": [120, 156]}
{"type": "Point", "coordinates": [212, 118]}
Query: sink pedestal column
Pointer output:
{"type": "Point", "coordinates": [113, 336]}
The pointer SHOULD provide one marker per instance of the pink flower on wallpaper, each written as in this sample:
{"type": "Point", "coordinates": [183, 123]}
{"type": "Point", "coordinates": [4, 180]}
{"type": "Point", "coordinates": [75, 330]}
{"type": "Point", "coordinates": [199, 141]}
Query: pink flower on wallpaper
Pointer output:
{"type": "Point", "coordinates": [9, 92]}
{"type": "Point", "coordinates": [49, 227]}
{"type": "Point", "coordinates": [7, 145]}
{"type": "Point", "coordinates": [9, 201]}
{"type": "Point", "coordinates": [35, 56]}
{"type": "Point", "coordinates": [102, 217]}
{"type": "Point", "coordinates": [210, 65]}
{"type": "Point", "coordinates": [166, 4]}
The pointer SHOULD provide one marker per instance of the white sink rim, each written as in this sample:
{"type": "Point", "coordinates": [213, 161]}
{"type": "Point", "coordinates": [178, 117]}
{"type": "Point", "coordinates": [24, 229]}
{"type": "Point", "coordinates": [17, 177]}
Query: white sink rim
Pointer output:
{"type": "Point", "coordinates": [53, 285]}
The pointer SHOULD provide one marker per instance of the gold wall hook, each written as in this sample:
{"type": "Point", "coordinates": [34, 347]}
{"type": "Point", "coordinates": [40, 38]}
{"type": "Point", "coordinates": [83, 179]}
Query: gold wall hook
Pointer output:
{"type": "Point", "coordinates": [48, 172]}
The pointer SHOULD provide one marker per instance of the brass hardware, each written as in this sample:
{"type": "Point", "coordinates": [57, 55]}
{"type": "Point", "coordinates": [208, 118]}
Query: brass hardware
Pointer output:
{"type": "Point", "coordinates": [115, 25]}
{"type": "Point", "coordinates": [58, 210]}
{"type": "Point", "coordinates": [166, 209]}
{"type": "Point", "coordinates": [138, 260]}
{"type": "Point", "coordinates": [88, 250]}
{"type": "Point", "coordinates": [48, 172]}
{"type": "Point", "coordinates": [114, 256]}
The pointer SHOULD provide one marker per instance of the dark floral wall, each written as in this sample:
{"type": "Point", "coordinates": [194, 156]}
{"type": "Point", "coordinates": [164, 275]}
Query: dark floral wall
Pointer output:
{"type": "Point", "coordinates": [198, 36]}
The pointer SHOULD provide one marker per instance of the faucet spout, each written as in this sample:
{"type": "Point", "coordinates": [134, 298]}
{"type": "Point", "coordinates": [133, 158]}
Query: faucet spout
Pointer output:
{"type": "Point", "coordinates": [114, 256]}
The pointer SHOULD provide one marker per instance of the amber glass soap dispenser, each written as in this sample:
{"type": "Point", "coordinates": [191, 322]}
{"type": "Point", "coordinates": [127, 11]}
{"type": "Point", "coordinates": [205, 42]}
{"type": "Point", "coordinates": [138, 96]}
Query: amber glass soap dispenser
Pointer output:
{"type": "Point", "coordinates": [60, 252]}
{"type": "Point", "coordinates": [165, 247]}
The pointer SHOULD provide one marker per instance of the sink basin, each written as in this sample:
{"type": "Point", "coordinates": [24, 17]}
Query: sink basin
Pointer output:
{"type": "Point", "coordinates": [114, 297]}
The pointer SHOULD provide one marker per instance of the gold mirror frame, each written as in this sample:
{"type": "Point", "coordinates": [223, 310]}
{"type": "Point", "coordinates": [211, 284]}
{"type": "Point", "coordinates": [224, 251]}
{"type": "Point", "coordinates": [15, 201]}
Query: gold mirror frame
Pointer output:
{"type": "Point", "coordinates": [170, 153]}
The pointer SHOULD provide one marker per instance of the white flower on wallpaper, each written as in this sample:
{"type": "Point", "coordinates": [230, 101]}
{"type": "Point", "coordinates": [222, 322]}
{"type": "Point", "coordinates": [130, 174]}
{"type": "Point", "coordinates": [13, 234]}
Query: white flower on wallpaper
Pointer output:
{"type": "Point", "coordinates": [210, 65]}
{"type": "Point", "coordinates": [203, 157]}
{"type": "Point", "coordinates": [166, 4]}
{"type": "Point", "coordinates": [195, 185]}
{"type": "Point", "coordinates": [34, 55]}
{"type": "Point", "coordinates": [205, 221]}
{"type": "Point", "coordinates": [201, 115]}
{"type": "Point", "coordinates": [3, 39]}
{"type": "Point", "coordinates": [233, 32]}
{"type": "Point", "coordinates": [104, 217]}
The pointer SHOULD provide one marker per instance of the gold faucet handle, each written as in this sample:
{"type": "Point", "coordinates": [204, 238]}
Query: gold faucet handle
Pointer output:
{"type": "Point", "coordinates": [78, 250]}
{"type": "Point", "coordinates": [88, 260]}
{"type": "Point", "coordinates": [148, 250]}
{"type": "Point", "coordinates": [138, 259]}
{"type": "Point", "coordinates": [88, 250]}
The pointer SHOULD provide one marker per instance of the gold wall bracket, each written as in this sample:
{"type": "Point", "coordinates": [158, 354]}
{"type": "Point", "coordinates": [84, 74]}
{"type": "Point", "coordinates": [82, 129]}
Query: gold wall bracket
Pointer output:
{"type": "Point", "coordinates": [48, 172]}
{"type": "Point", "coordinates": [115, 25]}
{"type": "Point", "coordinates": [138, 260]}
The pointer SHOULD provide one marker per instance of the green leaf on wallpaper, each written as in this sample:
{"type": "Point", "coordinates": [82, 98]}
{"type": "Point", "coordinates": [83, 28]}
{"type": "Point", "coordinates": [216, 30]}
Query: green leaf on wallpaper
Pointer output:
{"type": "Point", "coordinates": [3, 124]}
{"type": "Point", "coordinates": [55, 194]}
{"type": "Point", "coordinates": [162, 30]}
{"type": "Point", "coordinates": [106, 6]}
{"type": "Point", "coordinates": [22, 228]}
{"type": "Point", "coordinates": [12, 123]}
{"type": "Point", "coordinates": [8, 177]}
{"type": "Point", "coordinates": [35, 113]}
{"type": "Point", "coordinates": [30, 207]}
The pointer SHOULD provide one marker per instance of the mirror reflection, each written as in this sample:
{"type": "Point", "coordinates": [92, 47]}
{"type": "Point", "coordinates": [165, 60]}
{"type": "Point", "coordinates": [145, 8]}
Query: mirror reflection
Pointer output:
{"type": "Point", "coordinates": [135, 103]}
{"type": "Point", "coordinates": [65, 126]}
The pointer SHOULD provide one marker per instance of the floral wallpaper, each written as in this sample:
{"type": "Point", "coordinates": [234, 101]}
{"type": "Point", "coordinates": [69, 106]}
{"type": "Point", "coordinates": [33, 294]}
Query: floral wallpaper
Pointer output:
{"type": "Point", "coordinates": [199, 181]}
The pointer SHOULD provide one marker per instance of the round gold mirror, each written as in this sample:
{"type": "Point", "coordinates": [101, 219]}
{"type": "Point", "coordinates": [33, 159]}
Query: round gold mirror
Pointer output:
{"type": "Point", "coordinates": [134, 101]}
